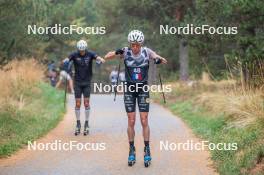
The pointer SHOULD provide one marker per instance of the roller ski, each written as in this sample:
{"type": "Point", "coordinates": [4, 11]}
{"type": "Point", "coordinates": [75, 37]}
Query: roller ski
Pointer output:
{"type": "Point", "coordinates": [147, 157]}
{"type": "Point", "coordinates": [86, 128]}
{"type": "Point", "coordinates": [132, 156]}
{"type": "Point", "coordinates": [78, 128]}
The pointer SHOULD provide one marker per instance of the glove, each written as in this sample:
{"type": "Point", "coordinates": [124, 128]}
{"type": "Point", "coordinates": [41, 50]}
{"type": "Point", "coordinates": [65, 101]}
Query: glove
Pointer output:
{"type": "Point", "coordinates": [157, 61]}
{"type": "Point", "coordinates": [98, 62]}
{"type": "Point", "coordinates": [119, 52]}
{"type": "Point", "coordinates": [66, 60]}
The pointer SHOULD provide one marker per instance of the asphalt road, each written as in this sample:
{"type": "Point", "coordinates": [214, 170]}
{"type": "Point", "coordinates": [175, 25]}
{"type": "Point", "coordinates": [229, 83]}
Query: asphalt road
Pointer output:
{"type": "Point", "coordinates": [107, 146]}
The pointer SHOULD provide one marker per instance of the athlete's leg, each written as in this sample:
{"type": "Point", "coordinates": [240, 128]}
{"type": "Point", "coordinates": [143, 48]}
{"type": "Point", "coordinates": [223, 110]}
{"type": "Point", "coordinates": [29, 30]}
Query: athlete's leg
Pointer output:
{"type": "Point", "coordinates": [131, 135]}
{"type": "Point", "coordinates": [78, 96]}
{"type": "Point", "coordinates": [61, 78]}
{"type": "Point", "coordinates": [131, 127]}
{"type": "Point", "coordinates": [87, 108]}
{"type": "Point", "coordinates": [71, 85]}
{"type": "Point", "coordinates": [77, 114]}
{"type": "Point", "coordinates": [77, 108]}
{"type": "Point", "coordinates": [143, 105]}
{"type": "Point", "coordinates": [58, 84]}
{"type": "Point", "coordinates": [86, 94]}
{"type": "Point", "coordinates": [130, 105]}
{"type": "Point", "coordinates": [145, 127]}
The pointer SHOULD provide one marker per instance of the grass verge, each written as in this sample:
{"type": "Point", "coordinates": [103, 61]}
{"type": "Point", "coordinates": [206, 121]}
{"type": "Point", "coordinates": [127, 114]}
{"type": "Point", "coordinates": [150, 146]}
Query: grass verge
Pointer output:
{"type": "Point", "coordinates": [217, 128]}
{"type": "Point", "coordinates": [42, 112]}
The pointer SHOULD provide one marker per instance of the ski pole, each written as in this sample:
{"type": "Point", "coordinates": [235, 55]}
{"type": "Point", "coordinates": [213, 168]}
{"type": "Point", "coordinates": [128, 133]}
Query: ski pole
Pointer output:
{"type": "Point", "coordinates": [117, 80]}
{"type": "Point", "coordinates": [164, 99]}
{"type": "Point", "coordinates": [66, 82]}
{"type": "Point", "coordinates": [65, 93]}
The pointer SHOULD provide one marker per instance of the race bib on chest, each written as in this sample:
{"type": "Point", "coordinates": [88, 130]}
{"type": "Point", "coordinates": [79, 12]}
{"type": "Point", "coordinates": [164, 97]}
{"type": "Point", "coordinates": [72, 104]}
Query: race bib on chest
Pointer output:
{"type": "Point", "coordinates": [137, 74]}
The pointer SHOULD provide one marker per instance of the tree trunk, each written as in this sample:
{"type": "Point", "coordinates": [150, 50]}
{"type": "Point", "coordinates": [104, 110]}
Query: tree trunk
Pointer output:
{"type": "Point", "coordinates": [152, 79]}
{"type": "Point", "coordinates": [245, 77]}
{"type": "Point", "coordinates": [184, 61]}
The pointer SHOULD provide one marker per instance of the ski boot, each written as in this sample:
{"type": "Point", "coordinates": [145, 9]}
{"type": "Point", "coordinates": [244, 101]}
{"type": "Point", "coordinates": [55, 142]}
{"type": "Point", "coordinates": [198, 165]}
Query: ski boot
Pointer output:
{"type": "Point", "coordinates": [78, 128]}
{"type": "Point", "coordinates": [132, 156]}
{"type": "Point", "coordinates": [86, 128]}
{"type": "Point", "coordinates": [147, 156]}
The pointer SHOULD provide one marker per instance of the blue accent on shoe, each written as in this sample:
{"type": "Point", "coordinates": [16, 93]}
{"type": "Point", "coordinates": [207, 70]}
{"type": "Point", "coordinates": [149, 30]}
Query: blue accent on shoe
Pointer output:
{"type": "Point", "coordinates": [147, 158]}
{"type": "Point", "coordinates": [131, 158]}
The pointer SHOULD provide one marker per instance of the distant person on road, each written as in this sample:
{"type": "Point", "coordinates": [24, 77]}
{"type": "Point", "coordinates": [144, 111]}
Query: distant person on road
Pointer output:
{"type": "Point", "coordinates": [113, 76]}
{"type": "Point", "coordinates": [122, 76]}
{"type": "Point", "coordinates": [52, 73]}
{"type": "Point", "coordinates": [65, 75]}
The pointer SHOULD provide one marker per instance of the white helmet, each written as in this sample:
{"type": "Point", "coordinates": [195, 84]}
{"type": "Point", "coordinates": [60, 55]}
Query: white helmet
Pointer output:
{"type": "Point", "coordinates": [81, 45]}
{"type": "Point", "coordinates": [135, 36]}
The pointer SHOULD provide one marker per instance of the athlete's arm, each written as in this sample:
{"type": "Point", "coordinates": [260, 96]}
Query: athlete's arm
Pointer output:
{"type": "Point", "coordinates": [97, 57]}
{"type": "Point", "coordinates": [100, 59]}
{"type": "Point", "coordinates": [113, 54]}
{"type": "Point", "coordinates": [158, 59]}
{"type": "Point", "coordinates": [110, 55]}
{"type": "Point", "coordinates": [70, 58]}
{"type": "Point", "coordinates": [70, 67]}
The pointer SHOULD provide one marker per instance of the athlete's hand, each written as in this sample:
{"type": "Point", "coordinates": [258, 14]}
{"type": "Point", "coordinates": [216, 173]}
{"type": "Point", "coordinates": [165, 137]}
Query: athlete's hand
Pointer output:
{"type": "Point", "coordinates": [65, 60]}
{"type": "Point", "coordinates": [100, 59]}
{"type": "Point", "coordinates": [163, 60]}
{"type": "Point", "coordinates": [103, 60]}
{"type": "Point", "coordinates": [110, 55]}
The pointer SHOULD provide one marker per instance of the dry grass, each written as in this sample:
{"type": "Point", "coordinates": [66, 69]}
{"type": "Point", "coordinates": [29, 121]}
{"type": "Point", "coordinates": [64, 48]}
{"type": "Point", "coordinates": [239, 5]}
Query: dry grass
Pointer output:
{"type": "Point", "coordinates": [202, 104]}
{"type": "Point", "coordinates": [17, 79]}
{"type": "Point", "coordinates": [225, 96]}
{"type": "Point", "coordinates": [193, 88]}
{"type": "Point", "coordinates": [244, 107]}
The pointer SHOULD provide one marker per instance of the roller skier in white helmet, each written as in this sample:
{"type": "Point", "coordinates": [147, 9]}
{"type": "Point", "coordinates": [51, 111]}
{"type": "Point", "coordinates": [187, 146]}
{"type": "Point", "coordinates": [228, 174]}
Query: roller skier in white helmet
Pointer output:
{"type": "Point", "coordinates": [136, 59]}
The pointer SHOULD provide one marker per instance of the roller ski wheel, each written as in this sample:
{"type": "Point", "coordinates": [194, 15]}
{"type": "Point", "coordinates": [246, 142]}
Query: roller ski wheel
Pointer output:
{"type": "Point", "coordinates": [86, 128]}
{"type": "Point", "coordinates": [147, 157]}
{"type": "Point", "coordinates": [147, 163]}
{"type": "Point", "coordinates": [77, 131]}
{"type": "Point", "coordinates": [132, 156]}
{"type": "Point", "coordinates": [78, 128]}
